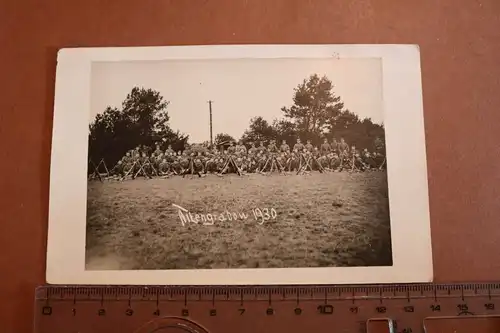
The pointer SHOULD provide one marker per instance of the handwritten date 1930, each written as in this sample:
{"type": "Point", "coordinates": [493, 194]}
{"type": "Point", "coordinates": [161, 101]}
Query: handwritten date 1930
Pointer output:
{"type": "Point", "coordinates": [264, 214]}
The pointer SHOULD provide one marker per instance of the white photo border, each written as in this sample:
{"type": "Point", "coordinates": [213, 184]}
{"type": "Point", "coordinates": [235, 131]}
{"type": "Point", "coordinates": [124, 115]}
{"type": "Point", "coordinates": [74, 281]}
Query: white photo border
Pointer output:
{"type": "Point", "coordinates": [405, 151]}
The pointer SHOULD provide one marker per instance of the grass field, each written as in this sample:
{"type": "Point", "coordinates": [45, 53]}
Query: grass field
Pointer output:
{"type": "Point", "coordinates": [331, 219]}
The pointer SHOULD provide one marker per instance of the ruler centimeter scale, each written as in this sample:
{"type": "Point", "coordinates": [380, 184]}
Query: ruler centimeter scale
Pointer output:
{"type": "Point", "coordinates": [403, 308]}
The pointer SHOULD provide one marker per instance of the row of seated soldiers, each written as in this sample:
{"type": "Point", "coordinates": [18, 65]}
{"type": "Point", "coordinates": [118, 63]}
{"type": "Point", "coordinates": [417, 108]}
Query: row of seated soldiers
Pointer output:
{"type": "Point", "coordinates": [256, 159]}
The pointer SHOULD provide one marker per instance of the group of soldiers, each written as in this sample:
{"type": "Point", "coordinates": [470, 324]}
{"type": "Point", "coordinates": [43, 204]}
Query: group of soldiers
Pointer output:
{"type": "Point", "coordinates": [237, 158]}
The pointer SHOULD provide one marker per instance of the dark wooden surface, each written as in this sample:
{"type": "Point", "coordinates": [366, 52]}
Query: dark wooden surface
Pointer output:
{"type": "Point", "coordinates": [460, 47]}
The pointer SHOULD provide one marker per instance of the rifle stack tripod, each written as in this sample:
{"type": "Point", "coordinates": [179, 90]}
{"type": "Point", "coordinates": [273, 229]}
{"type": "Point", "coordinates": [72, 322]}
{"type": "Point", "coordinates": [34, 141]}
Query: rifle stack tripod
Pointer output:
{"type": "Point", "coordinates": [191, 169]}
{"type": "Point", "coordinates": [141, 170]}
{"type": "Point", "coordinates": [305, 164]}
{"type": "Point", "coordinates": [96, 173]}
{"type": "Point", "coordinates": [274, 164]}
{"type": "Point", "coordinates": [229, 162]}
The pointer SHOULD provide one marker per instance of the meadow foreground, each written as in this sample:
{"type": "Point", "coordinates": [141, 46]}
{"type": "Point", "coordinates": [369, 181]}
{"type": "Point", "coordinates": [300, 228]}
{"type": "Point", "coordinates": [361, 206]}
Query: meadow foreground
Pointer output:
{"type": "Point", "coordinates": [314, 220]}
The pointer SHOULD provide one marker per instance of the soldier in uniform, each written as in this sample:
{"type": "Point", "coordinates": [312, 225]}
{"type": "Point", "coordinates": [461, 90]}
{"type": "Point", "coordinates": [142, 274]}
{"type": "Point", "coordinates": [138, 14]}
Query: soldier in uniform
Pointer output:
{"type": "Point", "coordinates": [316, 152]}
{"type": "Point", "coordinates": [281, 162]}
{"type": "Point", "coordinates": [261, 161]}
{"type": "Point", "coordinates": [262, 149]}
{"type": "Point", "coordinates": [199, 161]}
{"type": "Point", "coordinates": [343, 147]}
{"type": "Point", "coordinates": [367, 159]}
{"type": "Point", "coordinates": [284, 148]}
{"type": "Point", "coordinates": [187, 150]}
{"type": "Point", "coordinates": [173, 161]}
{"type": "Point", "coordinates": [252, 165]}
{"type": "Point", "coordinates": [164, 168]}
{"type": "Point", "coordinates": [146, 149]}
{"type": "Point", "coordinates": [157, 151]}
{"type": "Point", "coordinates": [170, 158]}
{"type": "Point", "coordinates": [253, 149]}
{"type": "Point", "coordinates": [292, 162]}
{"type": "Point", "coordinates": [127, 163]}
{"type": "Point", "coordinates": [307, 161]}
{"type": "Point", "coordinates": [272, 148]}
{"type": "Point", "coordinates": [144, 162]}
{"type": "Point", "coordinates": [229, 167]}
{"type": "Point", "coordinates": [335, 162]}
{"type": "Point", "coordinates": [334, 145]}
{"type": "Point", "coordinates": [325, 147]}
{"type": "Point", "coordinates": [240, 163]}
{"type": "Point", "coordinates": [169, 150]}
{"type": "Point", "coordinates": [379, 145]}
{"type": "Point", "coordinates": [231, 149]}
{"type": "Point", "coordinates": [153, 164]}
{"type": "Point", "coordinates": [210, 164]}
{"type": "Point", "coordinates": [379, 160]}
{"type": "Point", "coordinates": [198, 165]}
{"type": "Point", "coordinates": [298, 146]}
{"type": "Point", "coordinates": [135, 162]}
{"type": "Point", "coordinates": [220, 164]}
{"type": "Point", "coordinates": [129, 152]}
{"type": "Point", "coordinates": [190, 165]}
{"type": "Point", "coordinates": [323, 161]}
{"type": "Point", "coordinates": [183, 162]}
{"type": "Point", "coordinates": [157, 159]}
{"type": "Point", "coordinates": [309, 146]}
{"type": "Point", "coordinates": [357, 162]}
{"type": "Point", "coordinates": [136, 153]}
{"type": "Point", "coordinates": [118, 169]}
{"type": "Point", "coordinates": [214, 150]}
{"type": "Point", "coordinates": [241, 148]}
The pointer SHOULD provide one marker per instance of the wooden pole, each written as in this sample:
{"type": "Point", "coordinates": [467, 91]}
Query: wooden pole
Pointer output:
{"type": "Point", "coordinates": [210, 110]}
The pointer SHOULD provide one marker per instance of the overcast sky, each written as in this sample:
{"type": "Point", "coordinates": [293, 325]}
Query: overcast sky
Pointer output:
{"type": "Point", "coordinates": [240, 88]}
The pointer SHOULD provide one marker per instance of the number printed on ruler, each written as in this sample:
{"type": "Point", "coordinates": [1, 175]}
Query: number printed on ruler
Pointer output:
{"type": "Point", "coordinates": [349, 307]}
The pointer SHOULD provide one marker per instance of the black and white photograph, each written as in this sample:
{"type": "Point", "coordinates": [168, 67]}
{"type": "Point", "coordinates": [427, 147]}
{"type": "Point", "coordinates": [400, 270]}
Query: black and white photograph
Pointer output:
{"type": "Point", "coordinates": [239, 164]}
{"type": "Point", "coordinates": [266, 163]}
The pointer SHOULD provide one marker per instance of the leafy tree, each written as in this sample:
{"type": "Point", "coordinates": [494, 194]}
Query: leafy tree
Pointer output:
{"type": "Point", "coordinates": [259, 130]}
{"type": "Point", "coordinates": [141, 121]}
{"type": "Point", "coordinates": [361, 133]}
{"type": "Point", "coordinates": [343, 120]}
{"type": "Point", "coordinates": [108, 136]}
{"type": "Point", "coordinates": [170, 137]}
{"type": "Point", "coordinates": [222, 138]}
{"type": "Point", "coordinates": [314, 105]}
{"type": "Point", "coordinates": [147, 112]}
{"type": "Point", "coordinates": [318, 112]}
{"type": "Point", "coordinates": [285, 130]}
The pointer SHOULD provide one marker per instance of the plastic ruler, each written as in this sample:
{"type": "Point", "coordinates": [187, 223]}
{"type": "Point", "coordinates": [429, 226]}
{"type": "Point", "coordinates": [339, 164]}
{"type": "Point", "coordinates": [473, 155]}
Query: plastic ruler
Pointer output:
{"type": "Point", "coordinates": [410, 308]}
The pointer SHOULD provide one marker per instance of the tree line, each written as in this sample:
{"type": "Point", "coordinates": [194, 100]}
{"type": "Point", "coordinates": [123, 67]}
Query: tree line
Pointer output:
{"type": "Point", "coordinates": [316, 112]}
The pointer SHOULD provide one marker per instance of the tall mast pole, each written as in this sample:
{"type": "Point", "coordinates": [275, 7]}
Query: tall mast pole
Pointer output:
{"type": "Point", "coordinates": [210, 110]}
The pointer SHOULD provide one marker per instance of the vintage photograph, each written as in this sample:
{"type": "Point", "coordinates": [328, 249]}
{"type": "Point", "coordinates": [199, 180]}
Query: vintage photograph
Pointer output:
{"type": "Point", "coordinates": [239, 165]}
{"type": "Point", "coordinates": [244, 163]}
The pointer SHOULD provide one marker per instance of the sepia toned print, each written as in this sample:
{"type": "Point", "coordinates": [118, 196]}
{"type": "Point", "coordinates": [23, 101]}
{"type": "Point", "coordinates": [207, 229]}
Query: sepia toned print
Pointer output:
{"type": "Point", "coordinates": [302, 185]}
{"type": "Point", "coordinates": [239, 165]}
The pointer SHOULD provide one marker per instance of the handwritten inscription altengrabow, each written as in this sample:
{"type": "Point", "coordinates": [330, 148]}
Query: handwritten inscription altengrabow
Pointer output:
{"type": "Point", "coordinates": [259, 215]}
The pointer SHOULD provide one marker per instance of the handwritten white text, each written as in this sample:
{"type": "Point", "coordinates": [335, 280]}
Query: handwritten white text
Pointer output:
{"type": "Point", "coordinates": [260, 215]}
